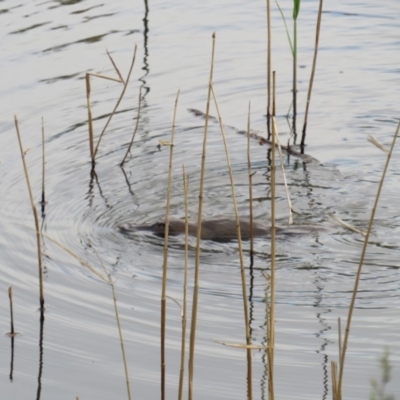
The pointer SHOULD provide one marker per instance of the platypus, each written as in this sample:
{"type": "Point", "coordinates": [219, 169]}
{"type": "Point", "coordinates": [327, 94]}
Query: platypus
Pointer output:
{"type": "Point", "coordinates": [219, 229]}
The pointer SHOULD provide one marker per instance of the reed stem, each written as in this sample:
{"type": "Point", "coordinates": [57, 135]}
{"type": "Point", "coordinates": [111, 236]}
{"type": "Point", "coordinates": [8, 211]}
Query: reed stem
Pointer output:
{"type": "Point", "coordinates": [35, 216]}
{"type": "Point", "coordinates": [342, 357]}
{"type": "Point", "coordinates": [135, 130]}
{"type": "Point", "coordinates": [250, 186]}
{"type": "Point", "coordinates": [198, 241]}
{"type": "Point", "coordinates": [10, 296]}
{"type": "Point", "coordinates": [269, 60]}
{"type": "Point", "coordinates": [242, 269]}
{"type": "Point", "coordinates": [303, 136]}
{"type": "Point", "coordinates": [185, 276]}
{"type": "Point", "coordinates": [43, 202]}
{"type": "Point", "coordinates": [165, 262]}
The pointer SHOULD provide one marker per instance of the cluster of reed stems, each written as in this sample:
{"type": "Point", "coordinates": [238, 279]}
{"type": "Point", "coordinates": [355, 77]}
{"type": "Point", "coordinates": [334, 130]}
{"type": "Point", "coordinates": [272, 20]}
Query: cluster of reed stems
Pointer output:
{"type": "Point", "coordinates": [337, 368]}
{"type": "Point", "coordinates": [293, 41]}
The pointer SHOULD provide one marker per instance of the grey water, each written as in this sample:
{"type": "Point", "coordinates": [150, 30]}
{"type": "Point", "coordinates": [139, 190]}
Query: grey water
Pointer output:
{"type": "Point", "coordinates": [47, 48]}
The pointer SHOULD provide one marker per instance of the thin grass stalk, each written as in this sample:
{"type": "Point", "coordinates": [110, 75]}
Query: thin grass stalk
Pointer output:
{"type": "Point", "coordinates": [10, 296]}
{"type": "Point", "coordinates": [121, 338]}
{"type": "Point", "coordinates": [35, 216]}
{"type": "Point", "coordinates": [165, 262]}
{"type": "Point", "coordinates": [185, 276]}
{"type": "Point", "coordinates": [296, 10]}
{"type": "Point", "coordinates": [303, 136]}
{"type": "Point", "coordinates": [250, 186]}
{"type": "Point", "coordinates": [294, 75]}
{"type": "Point", "coordinates": [283, 173]}
{"type": "Point", "coordinates": [71, 253]}
{"type": "Point", "coordinates": [271, 344]}
{"type": "Point", "coordinates": [269, 58]}
{"type": "Point", "coordinates": [116, 105]}
{"type": "Point", "coordinates": [43, 202]}
{"type": "Point", "coordinates": [90, 117]}
{"type": "Point", "coordinates": [199, 217]}
{"type": "Point", "coordinates": [363, 252]}
{"type": "Point", "coordinates": [340, 341]}
{"type": "Point", "coordinates": [135, 130]}
{"type": "Point", "coordinates": [242, 269]}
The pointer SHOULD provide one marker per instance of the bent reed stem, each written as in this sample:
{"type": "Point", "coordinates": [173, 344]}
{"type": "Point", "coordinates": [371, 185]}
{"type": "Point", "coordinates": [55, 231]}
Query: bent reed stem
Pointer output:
{"type": "Point", "coordinates": [342, 357]}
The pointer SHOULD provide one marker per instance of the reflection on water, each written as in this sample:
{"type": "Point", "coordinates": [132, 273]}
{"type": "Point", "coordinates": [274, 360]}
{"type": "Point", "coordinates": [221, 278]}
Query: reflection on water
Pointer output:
{"type": "Point", "coordinates": [48, 48]}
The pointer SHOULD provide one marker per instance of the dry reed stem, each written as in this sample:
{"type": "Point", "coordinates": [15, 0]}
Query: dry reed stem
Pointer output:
{"type": "Point", "coordinates": [115, 67]}
{"type": "Point", "coordinates": [199, 216]}
{"type": "Point", "coordinates": [250, 186]}
{"type": "Point", "coordinates": [121, 339]}
{"type": "Point", "coordinates": [10, 296]}
{"type": "Point", "coordinates": [303, 136]}
{"type": "Point", "coordinates": [340, 341]}
{"type": "Point", "coordinates": [375, 142]}
{"type": "Point", "coordinates": [271, 344]}
{"type": "Point", "coordinates": [242, 346]}
{"type": "Point", "coordinates": [165, 262]}
{"type": "Point", "coordinates": [269, 68]}
{"type": "Point", "coordinates": [116, 105]}
{"type": "Point", "coordinates": [185, 276]}
{"type": "Point", "coordinates": [334, 380]}
{"type": "Point", "coordinates": [43, 169]}
{"type": "Point", "coordinates": [135, 130]}
{"type": "Point", "coordinates": [290, 208]}
{"type": "Point", "coordinates": [35, 216]}
{"type": "Point", "coordinates": [346, 225]}
{"type": "Point", "coordinates": [239, 238]}
{"type": "Point", "coordinates": [89, 107]}
{"type": "Point", "coordinates": [81, 260]}
{"type": "Point", "coordinates": [363, 252]}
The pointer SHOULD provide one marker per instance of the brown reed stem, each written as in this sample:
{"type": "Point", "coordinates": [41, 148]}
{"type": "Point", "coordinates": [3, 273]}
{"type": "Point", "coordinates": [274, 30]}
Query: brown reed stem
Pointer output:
{"type": "Point", "coordinates": [35, 216]}
{"type": "Point", "coordinates": [271, 344]}
{"type": "Point", "coordinates": [135, 130]}
{"type": "Point", "coordinates": [121, 338]}
{"type": "Point", "coordinates": [165, 262]}
{"type": "Point", "coordinates": [115, 67]}
{"type": "Point", "coordinates": [185, 276]}
{"type": "Point", "coordinates": [242, 270]}
{"type": "Point", "coordinates": [10, 296]}
{"type": "Point", "coordinates": [43, 202]}
{"type": "Point", "coordinates": [269, 57]}
{"type": "Point", "coordinates": [116, 105]}
{"type": "Point", "coordinates": [199, 217]}
{"type": "Point", "coordinates": [90, 118]}
{"type": "Point", "coordinates": [363, 252]}
{"type": "Point", "coordinates": [250, 186]}
{"type": "Point", "coordinates": [303, 136]}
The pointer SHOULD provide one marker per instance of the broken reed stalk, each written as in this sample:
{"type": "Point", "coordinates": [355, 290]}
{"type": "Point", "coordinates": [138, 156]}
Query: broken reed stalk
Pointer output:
{"type": "Point", "coordinates": [121, 339]}
{"type": "Point", "coordinates": [250, 187]}
{"type": "Point", "coordinates": [185, 276]}
{"type": "Point", "coordinates": [361, 262]}
{"type": "Point", "coordinates": [198, 240]}
{"type": "Point", "coordinates": [43, 202]}
{"type": "Point", "coordinates": [10, 296]}
{"type": "Point", "coordinates": [269, 33]}
{"type": "Point", "coordinates": [278, 145]}
{"type": "Point", "coordinates": [116, 105]}
{"type": "Point", "coordinates": [89, 107]}
{"type": "Point", "coordinates": [271, 335]}
{"type": "Point", "coordinates": [35, 216]}
{"type": "Point", "coordinates": [303, 136]}
{"type": "Point", "coordinates": [135, 130]}
{"type": "Point", "coordinates": [81, 260]}
{"type": "Point", "coordinates": [115, 67]}
{"type": "Point", "coordinates": [165, 262]}
{"type": "Point", "coordinates": [242, 270]}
